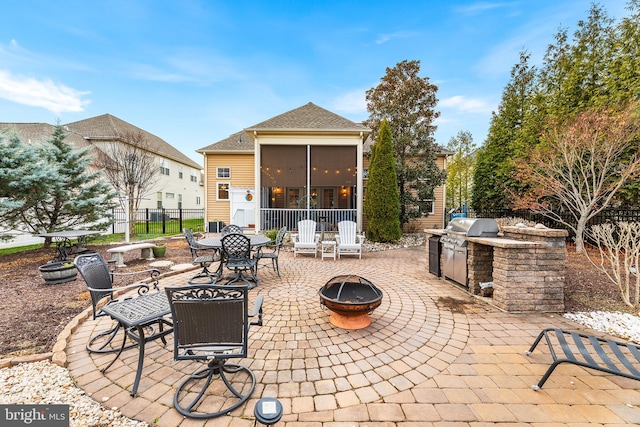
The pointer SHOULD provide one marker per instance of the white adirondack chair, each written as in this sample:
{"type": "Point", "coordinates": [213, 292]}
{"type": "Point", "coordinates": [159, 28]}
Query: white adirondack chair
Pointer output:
{"type": "Point", "coordinates": [349, 242]}
{"type": "Point", "coordinates": [305, 240]}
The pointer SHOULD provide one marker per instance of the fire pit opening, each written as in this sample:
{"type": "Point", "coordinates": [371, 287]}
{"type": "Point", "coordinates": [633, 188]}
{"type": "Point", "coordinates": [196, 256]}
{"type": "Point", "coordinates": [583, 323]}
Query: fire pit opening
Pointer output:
{"type": "Point", "coordinates": [350, 299]}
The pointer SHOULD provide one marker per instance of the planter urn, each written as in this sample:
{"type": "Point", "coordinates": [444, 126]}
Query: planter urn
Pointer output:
{"type": "Point", "coordinates": [159, 250]}
{"type": "Point", "coordinates": [58, 272]}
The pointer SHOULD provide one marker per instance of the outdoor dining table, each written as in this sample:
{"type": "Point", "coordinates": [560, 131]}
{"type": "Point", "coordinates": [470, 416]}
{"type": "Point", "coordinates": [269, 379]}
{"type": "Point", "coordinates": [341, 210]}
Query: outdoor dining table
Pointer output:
{"type": "Point", "coordinates": [134, 315]}
{"type": "Point", "coordinates": [62, 239]}
{"type": "Point", "coordinates": [257, 241]}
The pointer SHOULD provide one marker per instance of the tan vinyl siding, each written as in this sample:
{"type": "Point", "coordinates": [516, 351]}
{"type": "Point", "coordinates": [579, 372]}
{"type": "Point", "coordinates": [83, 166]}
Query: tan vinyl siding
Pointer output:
{"type": "Point", "coordinates": [430, 221]}
{"type": "Point", "coordinates": [242, 175]}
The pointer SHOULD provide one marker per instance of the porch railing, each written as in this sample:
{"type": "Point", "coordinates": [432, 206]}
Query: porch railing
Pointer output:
{"type": "Point", "coordinates": [273, 219]}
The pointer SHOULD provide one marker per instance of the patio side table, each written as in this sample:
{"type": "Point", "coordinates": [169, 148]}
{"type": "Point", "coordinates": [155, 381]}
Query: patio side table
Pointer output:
{"type": "Point", "coordinates": [134, 315]}
{"type": "Point", "coordinates": [328, 249]}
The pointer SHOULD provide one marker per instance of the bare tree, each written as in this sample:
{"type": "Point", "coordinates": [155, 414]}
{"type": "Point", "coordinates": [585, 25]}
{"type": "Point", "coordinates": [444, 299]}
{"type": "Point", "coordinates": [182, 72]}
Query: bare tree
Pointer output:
{"type": "Point", "coordinates": [130, 168]}
{"type": "Point", "coordinates": [619, 246]}
{"type": "Point", "coordinates": [578, 168]}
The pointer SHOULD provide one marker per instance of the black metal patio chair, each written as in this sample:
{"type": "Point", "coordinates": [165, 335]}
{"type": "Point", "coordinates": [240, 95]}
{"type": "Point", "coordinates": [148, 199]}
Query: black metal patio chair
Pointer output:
{"type": "Point", "coordinates": [236, 255]}
{"type": "Point", "coordinates": [272, 251]}
{"type": "Point", "coordinates": [203, 256]}
{"type": "Point", "coordinates": [230, 229]}
{"type": "Point", "coordinates": [211, 324]}
{"type": "Point", "coordinates": [99, 279]}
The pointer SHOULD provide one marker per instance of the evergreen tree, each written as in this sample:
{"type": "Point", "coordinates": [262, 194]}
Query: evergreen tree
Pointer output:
{"type": "Point", "coordinates": [407, 102]}
{"type": "Point", "coordinates": [460, 170]}
{"type": "Point", "coordinates": [573, 77]}
{"type": "Point", "coordinates": [512, 129]}
{"type": "Point", "coordinates": [382, 203]}
{"type": "Point", "coordinates": [22, 174]}
{"type": "Point", "coordinates": [56, 192]}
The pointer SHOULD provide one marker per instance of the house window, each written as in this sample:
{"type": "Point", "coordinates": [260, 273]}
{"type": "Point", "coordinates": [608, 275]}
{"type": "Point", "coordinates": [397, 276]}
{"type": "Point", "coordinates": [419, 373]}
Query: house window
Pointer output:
{"type": "Point", "coordinates": [164, 167]}
{"type": "Point", "coordinates": [194, 178]}
{"type": "Point", "coordinates": [198, 201]}
{"type": "Point", "coordinates": [426, 207]}
{"type": "Point", "coordinates": [159, 199]}
{"type": "Point", "coordinates": [180, 172]}
{"type": "Point", "coordinates": [223, 191]}
{"type": "Point", "coordinates": [223, 172]}
{"type": "Point", "coordinates": [170, 196]}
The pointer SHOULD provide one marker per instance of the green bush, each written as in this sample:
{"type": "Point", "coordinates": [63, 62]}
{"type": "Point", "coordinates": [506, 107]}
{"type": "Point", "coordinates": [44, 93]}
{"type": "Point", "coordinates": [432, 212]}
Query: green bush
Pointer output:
{"type": "Point", "coordinates": [271, 234]}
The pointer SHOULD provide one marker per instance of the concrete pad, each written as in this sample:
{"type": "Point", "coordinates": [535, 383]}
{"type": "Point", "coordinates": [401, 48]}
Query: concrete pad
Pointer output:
{"type": "Point", "coordinates": [181, 267]}
{"type": "Point", "coordinates": [162, 263]}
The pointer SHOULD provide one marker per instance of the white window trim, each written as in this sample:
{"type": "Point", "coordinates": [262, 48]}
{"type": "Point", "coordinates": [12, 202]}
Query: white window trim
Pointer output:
{"type": "Point", "coordinates": [433, 206]}
{"type": "Point", "coordinates": [218, 172]}
{"type": "Point", "coordinates": [218, 190]}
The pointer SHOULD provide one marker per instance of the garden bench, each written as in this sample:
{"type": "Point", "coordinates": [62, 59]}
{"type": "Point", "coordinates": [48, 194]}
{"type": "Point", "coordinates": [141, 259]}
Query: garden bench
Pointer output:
{"type": "Point", "coordinates": [117, 254]}
{"type": "Point", "coordinates": [613, 357]}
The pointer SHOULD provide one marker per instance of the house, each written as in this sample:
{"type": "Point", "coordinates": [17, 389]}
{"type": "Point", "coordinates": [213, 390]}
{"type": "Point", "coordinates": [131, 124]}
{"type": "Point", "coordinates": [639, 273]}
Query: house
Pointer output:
{"type": "Point", "coordinates": [305, 163]}
{"type": "Point", "coordinates": [179, 183]}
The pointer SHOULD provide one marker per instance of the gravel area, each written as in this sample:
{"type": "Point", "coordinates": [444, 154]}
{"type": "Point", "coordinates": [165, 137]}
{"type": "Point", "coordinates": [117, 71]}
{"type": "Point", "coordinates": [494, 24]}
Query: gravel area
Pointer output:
{"type": "Point", "coordinates": [622, 325]}
{"type": "Point", "coordinates": [46, 383]}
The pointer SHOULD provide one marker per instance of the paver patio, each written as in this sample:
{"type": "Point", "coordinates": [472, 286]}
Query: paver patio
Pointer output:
{"type": "Point", "coordinates": [433, 355]}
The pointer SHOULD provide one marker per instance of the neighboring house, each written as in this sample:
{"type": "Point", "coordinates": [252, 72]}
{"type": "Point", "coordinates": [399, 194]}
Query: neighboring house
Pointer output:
{"type": "Point", "coordinates": [179, 183]}
{"type": "Point", "coordinates": [304, 163]}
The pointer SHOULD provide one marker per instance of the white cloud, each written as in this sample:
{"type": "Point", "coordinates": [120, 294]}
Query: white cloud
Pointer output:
{"type": "Point", "coordinates": [353, 102]}
{"type": "Point", "coordinates": [466, 105]}
{"type": "Point", "coordinates": [482, 6]}
{"type": "Point", "coordinates": [383, 38]}
{"type": "Point", "coordinates": [46, 94]}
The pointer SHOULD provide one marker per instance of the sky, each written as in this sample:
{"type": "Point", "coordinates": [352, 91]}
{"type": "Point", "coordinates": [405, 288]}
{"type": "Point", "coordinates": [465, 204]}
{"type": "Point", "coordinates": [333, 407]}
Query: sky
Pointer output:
{"type": "Point", "coordinates": [193, 72]}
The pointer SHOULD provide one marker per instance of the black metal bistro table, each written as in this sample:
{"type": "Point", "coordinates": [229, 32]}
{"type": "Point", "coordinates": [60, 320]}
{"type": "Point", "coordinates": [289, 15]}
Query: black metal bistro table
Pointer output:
{"type": "Point", "coordinates": [256, 240]}
{"type": "Point", "coordinates": [62, 239]}
{"type": "Point", "coordinates": [135, 314]}
{"type": "Point", "coordinates": [216, 242]}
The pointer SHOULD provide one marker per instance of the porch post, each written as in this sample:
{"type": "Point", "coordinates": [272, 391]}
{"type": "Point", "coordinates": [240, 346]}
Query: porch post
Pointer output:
{"type": "Point", "coordinates": [359, 185]}
{"type": "Point", "coordinates": [256, 182]}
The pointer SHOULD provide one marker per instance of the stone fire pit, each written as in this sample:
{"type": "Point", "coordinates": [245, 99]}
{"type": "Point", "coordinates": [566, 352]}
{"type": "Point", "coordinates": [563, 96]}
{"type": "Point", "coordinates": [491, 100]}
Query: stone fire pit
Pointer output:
{"type": "Point", "coordinates": [350, 299]}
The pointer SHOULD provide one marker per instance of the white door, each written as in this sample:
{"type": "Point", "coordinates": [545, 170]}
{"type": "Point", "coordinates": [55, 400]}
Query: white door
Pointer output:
{"type": "Point", "coordinates": [242, 206]}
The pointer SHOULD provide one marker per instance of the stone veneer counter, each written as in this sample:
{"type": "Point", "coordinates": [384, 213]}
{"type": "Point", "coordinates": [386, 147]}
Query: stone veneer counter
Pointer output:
{"type": "Point", "coordinates": [525, 264]}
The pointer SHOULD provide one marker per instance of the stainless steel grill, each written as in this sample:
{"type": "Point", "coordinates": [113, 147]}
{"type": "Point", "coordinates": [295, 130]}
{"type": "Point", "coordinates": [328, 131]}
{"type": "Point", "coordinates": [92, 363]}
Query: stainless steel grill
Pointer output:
{"type": "Point", "coordinates": [454, 244]}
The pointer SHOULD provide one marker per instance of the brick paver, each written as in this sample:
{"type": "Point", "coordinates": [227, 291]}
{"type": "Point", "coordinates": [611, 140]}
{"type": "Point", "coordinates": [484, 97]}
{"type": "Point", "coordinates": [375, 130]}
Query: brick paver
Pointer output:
{"type": "Point", "coordinates": [433, 355]}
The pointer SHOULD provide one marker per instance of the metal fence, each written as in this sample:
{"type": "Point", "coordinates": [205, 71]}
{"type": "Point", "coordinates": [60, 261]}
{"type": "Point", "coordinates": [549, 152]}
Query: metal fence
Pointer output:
{"type": "Point", "coordinates": [608, 215]}
{"type": "Point", "coordinates": [160, 221]}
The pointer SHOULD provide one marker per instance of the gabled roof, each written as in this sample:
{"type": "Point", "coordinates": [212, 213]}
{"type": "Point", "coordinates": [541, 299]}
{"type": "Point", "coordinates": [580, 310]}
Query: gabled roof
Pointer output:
{"type": "Point", "coordinates": [308, 118]}
{"type": "Point", "coordinates": [109, 128]}
{"type": "Point", "coordinates": [237, 143]}
{"type": "Point", "coordinates": [38, 132]}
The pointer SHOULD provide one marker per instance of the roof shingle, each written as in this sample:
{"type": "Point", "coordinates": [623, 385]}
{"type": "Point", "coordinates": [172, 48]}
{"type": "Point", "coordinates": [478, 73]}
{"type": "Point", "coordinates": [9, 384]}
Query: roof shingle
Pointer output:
{"type": "Point", "coordinates": [309, 117]}
{"type": "Point", "coordinates": [108, 127]}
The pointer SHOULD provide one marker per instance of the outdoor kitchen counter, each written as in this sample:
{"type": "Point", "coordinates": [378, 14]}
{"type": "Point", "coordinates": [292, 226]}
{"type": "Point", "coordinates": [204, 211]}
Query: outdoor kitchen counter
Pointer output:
{"type": "Point", "coordinates": [498, 242]}
{"type": "Point", "coordinates": [524, 264]}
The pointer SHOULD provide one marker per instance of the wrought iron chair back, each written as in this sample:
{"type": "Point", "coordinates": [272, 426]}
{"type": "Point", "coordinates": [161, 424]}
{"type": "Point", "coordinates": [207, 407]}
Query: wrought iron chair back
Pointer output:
{"type": "Point", "coordinates": [236, 252]}
{"type": "Point", "coordinates": [211, 323]}
{"type": "Point", "coordinates": [99, 279]}
{"type": "Point", "coordinates": [230, 229]}
{"type": "Point", "coordinates": [201, 255]}
{"type": "Point", "coordinates": [273, 251]}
